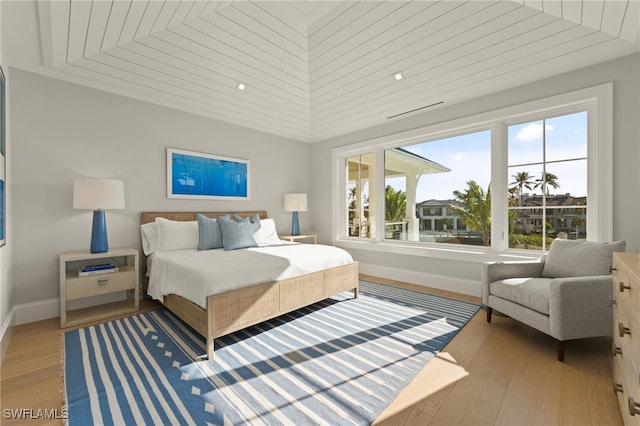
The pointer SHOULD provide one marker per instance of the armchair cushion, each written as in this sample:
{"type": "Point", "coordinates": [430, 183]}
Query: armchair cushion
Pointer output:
{"type": "Point", "coordinates": [579, 258]}
{"type": "Point", "coordinates": [530, 292]}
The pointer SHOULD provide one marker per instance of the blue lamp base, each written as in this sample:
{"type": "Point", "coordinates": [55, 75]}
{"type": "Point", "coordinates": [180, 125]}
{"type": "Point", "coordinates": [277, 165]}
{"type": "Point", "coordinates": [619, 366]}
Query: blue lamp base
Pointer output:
{"type": "Point", "coordinates": [99, 242]}
{"type": "Point", "coordinates": [295, 224]}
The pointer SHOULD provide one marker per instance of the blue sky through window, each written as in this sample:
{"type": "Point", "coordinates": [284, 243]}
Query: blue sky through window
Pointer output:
{"type": "Point", "coordinates": [469, 157]}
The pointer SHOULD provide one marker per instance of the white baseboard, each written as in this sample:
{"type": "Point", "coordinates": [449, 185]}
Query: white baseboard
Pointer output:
{"type": "Point", "coordinates": [25, 313]}
{"type": "Point", "coordinates": [441, 282]}
{"type": "Point", "coordinates": [50, 308]}
{"type": "Point", "coordinates": [6, 332]}
{"type": "Point", "coordinates": [37, 311]}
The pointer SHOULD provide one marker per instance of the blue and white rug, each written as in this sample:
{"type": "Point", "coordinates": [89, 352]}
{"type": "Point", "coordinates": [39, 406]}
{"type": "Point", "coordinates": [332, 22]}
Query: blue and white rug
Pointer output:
{"type": "Point", "coordinates": [338, 362]}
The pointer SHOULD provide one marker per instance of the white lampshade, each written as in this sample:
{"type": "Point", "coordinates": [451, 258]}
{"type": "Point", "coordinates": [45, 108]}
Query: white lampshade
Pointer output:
{"type": "Point", "coordinates": [98, 194]}
{"type": "Point", "coordinates": [295, 202]}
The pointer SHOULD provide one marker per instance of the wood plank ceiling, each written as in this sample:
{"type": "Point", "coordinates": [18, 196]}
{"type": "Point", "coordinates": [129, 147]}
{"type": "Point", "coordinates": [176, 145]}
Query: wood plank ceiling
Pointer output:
{"type": "Point", "coordinates": [318, 69]}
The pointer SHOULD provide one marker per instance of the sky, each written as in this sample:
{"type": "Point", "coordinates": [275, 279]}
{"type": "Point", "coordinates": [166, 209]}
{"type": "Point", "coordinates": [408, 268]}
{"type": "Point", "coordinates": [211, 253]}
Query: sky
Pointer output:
{"type": "Point", "coordinates": [469, 158]}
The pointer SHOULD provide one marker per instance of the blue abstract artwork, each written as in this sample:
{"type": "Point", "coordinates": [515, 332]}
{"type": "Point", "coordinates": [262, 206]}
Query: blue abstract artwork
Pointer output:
{"type": "Point", "coordinates": [196, 175]}
{"type": "Point", "coordinates": [3, 177]}
{"type": "Point", "coordinates": [2, 210]}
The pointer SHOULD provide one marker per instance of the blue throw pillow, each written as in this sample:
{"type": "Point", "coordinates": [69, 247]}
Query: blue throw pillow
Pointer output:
{"type": "Point", "coordinates": [254, 221]}
{"type": "Point", "coordinates": [209, 233]}
{"type": "Point", "coordinates": [236, 235]}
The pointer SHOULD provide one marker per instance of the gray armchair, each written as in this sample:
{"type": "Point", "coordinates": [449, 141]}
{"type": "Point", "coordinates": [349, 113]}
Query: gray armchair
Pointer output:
{"type": "Point", "coordinates": [565, 294]}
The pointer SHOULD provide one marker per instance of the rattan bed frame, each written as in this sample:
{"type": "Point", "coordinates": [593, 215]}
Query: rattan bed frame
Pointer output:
{"type": "Point", "coordinates": [237, 309]}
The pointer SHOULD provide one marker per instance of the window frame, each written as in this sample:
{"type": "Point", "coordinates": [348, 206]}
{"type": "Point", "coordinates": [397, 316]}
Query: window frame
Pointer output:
{"type": "Point", "coordinates": [596, 100]}
{"type": "Point", "coordinates": [545, 116]}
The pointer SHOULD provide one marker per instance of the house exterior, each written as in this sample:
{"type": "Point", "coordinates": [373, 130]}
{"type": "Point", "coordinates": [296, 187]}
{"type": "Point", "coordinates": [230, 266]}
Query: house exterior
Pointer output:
{"type": "Point", "coordinates": [565, 214]}
{"type": "Point", "coordinates": [436, 215]}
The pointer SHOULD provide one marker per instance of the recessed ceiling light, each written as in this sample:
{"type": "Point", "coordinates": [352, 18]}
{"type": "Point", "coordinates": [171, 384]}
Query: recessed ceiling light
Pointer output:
{"type": "Point", "coordinates": [241, 86]}
{"type": "Point", "coordinates": [398, 76]}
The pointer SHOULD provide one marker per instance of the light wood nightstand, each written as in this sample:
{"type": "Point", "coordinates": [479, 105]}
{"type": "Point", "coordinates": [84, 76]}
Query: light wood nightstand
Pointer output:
{"type": "Point", "coordinates": [293, 238]}
{"type": "Point", "coordinates": [75, 287]}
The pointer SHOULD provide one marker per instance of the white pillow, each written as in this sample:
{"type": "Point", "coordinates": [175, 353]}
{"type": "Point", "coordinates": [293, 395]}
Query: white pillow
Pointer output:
{"type": "Point", "coordinates": [149, 233]}
{"type": "Point", "coordinates": [177, 235]}
{"type": "Point", "coordinates": [269, 233]}
{"type": "Point", "coordinates": [258, 236]}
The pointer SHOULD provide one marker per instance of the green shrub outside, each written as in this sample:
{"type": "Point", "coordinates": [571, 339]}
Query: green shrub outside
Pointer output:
{"type": "Point", "coordinates": [528, 241]}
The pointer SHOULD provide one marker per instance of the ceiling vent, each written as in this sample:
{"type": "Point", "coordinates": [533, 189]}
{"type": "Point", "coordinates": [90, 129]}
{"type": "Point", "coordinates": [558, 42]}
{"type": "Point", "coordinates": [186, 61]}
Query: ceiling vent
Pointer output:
{"type": "Point", "coordinates": [414, 110]}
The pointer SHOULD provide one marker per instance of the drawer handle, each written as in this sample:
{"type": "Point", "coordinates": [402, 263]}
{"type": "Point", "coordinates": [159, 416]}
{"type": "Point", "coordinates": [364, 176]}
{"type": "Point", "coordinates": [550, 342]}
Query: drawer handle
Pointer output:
{"type": "Point", "coordinates": [617, 387]}
{"type": "Point", "coordinates": [611, 269]}
{"type": "Point", "coordinates": [612, 301]}
{"type": "Point", "coordinates": [623, 330]}
{"type": "Point", "coordinates": [615, 350]}
{"type": "Point", "coordinates": [103, 281]}
{"type": "Point", "coordinates": [622, 287]}
{"type": "Point", "coordinates": [634, 407]}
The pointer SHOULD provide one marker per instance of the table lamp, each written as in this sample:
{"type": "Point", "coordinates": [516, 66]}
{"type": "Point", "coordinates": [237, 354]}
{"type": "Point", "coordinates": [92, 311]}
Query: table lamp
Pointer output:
{"type": "Point", "coordinates": [295, 203]}
{"type": "Point", "coordinates": [98, 195]}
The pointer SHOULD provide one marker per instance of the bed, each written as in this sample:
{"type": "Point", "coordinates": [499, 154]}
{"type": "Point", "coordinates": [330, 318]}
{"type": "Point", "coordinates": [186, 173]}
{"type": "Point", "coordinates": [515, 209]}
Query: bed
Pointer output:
{"type": "Point", "coordinates": [226, 309]}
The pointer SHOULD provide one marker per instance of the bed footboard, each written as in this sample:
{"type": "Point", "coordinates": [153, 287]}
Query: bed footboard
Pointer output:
{"type": "Point", "coordinates": [238, 309]}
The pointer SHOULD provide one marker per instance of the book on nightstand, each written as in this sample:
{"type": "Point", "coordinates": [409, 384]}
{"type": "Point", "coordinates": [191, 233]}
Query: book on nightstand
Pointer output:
{"type": "Point", "coordinates": [97, 269]}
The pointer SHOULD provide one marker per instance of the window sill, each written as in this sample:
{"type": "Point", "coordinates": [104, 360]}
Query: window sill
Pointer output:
{"type": "Point", "coordinates": [443, 251]}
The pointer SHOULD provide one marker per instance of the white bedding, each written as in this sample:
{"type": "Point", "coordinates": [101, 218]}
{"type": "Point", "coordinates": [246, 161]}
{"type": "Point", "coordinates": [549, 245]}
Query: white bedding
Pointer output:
{"type": "Point", "coordinates": [195, 274]}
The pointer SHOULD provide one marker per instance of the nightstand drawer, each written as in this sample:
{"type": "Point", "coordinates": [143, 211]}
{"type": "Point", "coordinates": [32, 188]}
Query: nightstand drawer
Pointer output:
{"type": "Point", "coordinates": [94, 285]}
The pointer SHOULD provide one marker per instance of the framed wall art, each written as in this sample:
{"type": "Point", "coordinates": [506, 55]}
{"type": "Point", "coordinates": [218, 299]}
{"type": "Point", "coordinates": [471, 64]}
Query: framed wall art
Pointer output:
{"type": "Point", "coordinates": [206, 176]}
{"type": "Point", "coordinates": [3, 173]}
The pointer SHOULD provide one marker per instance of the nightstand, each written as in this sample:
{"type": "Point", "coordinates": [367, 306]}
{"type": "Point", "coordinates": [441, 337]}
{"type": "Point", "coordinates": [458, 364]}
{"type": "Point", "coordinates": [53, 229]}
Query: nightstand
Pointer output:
{"type": "Point", "coordinates": [293, 238]}
{"type": "Point", "coordinates": [74, 287]}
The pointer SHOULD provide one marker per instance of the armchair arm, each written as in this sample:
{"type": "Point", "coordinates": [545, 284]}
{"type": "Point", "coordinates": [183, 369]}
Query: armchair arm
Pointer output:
{"type": "Point", "coordinates": [579, 307]}
{"type": "Point", "coordinates": [494, 271]}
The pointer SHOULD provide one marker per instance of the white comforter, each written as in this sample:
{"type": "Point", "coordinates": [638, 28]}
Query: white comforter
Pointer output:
{"type": "Point", "coordinates": [195, 274]}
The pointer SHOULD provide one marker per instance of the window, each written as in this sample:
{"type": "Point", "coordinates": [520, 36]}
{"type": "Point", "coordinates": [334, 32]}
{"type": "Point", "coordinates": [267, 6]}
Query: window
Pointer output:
{"type": "Point", "coordinates": [510, 179]}
{"type": "Point", "coordinates": [448, 182]}
{"type": "Point", "coordinates": [547, 163]}
{"type": "Point", "coordinates": [360, 179]}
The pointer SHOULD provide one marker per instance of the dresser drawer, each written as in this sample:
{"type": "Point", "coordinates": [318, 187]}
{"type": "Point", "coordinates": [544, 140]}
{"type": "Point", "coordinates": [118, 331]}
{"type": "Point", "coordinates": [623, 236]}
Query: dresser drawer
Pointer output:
{"type": "Point", "coordinates": [626, 333]}
{"type": "Point", "coordinates": [624, 390]}
{"type": "Point", "coordinates": [619, 387]}
{"type": "Point", "coordinates": [631, 384]}
{"type": "Point", "coordinates": [94, 285]}
{"type": "Point", "coordinates": [625, 288]}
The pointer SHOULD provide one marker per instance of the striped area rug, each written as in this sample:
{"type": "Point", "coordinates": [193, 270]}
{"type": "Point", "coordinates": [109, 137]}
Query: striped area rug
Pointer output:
{"type": "Point", "coordinates": [337, 362]}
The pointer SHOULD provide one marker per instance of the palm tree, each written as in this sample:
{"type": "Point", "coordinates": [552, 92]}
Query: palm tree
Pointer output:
{"type": "Point", "coordinates": [521, 180]}
{"type": "Point", "coordinates": [474, 207]}
{"type": "Point", "coordinates": [395, 208]}
{"type": "Point", "coordinates": [547, 180]}
{"type": "Point", "coordinates": [354, 228]}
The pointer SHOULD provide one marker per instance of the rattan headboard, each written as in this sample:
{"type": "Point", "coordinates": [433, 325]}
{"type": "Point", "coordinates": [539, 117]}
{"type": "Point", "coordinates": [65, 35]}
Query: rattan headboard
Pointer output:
{"type": "Point", "coordinates": [146, 217]}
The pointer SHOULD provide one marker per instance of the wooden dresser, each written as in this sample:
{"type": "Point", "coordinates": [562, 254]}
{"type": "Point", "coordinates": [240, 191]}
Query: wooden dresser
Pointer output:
{"type": "Point", "coordinates": [626, 335]}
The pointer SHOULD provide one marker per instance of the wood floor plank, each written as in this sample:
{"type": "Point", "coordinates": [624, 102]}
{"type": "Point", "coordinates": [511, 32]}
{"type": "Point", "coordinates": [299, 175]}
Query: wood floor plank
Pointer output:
{"type": "Point", "coordinates": [503, 373]}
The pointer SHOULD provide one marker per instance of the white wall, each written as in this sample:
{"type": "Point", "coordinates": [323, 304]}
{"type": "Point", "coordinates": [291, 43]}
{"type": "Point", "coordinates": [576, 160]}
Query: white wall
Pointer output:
{"type": "Point", "coordinates": [61, 131]}
{"type": "Point", "coordinates": [622, 72]}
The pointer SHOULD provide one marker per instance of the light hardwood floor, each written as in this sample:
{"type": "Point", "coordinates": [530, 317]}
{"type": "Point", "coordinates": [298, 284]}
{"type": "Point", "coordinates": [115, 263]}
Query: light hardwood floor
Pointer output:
{"type": "Point", "coordinates": [502, 373]}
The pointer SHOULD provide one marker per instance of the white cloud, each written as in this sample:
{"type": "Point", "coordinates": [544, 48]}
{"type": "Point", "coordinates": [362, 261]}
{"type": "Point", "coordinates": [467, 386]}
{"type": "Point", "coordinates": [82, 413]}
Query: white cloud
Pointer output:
{"type": "Point", "coordinates": [532, 133]}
